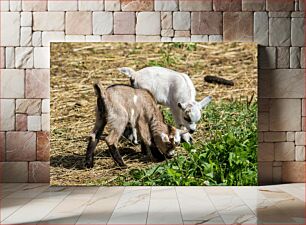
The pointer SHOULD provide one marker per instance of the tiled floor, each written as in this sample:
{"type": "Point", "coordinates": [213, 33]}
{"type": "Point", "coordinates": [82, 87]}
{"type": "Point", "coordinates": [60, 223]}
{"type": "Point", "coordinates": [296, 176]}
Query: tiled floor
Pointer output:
{"type": "Point", "coordinates": [40, 204]}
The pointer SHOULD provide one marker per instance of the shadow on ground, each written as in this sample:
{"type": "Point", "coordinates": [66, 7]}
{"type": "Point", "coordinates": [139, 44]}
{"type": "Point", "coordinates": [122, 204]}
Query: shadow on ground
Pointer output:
{"type": "Point", "coordinates": [75, 161]}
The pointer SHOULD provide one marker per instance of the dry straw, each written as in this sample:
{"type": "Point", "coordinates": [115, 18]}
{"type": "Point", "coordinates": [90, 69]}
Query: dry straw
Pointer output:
{"type": "Point", "coordinates": [74, 68]}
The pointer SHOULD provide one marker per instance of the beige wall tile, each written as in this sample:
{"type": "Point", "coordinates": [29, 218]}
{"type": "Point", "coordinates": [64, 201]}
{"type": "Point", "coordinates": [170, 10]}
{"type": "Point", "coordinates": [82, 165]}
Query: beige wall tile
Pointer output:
{"type": "Point", "coordinates": [26, 19]}
{"type": "Point", "coordinates": [206, 23]}
{"type": "Point", "coordinates": [52, 36]}
{"type": "Point", "coordinates": [102, 22]}
{"type": "Point", "coordinates": [45, 122]}
{"type": "Point", "coordinates": [10, 28]}
{"type": "Point", "coordinates": [275, 136]}
{"type": "Point", "coordinates": [7, 114]}
{"type": "Point", "coordinates": [55, 5]}
{"type": "Point", "coordinates": [39, 172]}
{"type": "Point", "coordinates": [297, 32]}
{"type": "Point", "coordinates": [137, 5]}
{"type": "Point", "coordinates": [43, 146]}
{"type": "Point", "coordinates": [78, 23]}
{"type": "Point", "coordinates": [14, 171]}
{"type": "Point", "coordinates": [26, 36]}
{"type": "Point", "coordinates": [282, 5]}
{"type": "Point", "coordinates": [267, 57]}
{"type": "Point", "coordinates": [230, 5]}
{"type": "Point", "coordinates": [166, 20]}
{"type": "Point", "coordinates": [2, 146]}
{"type": "Point", "coordinates": [281, 83]}
{"type": "Point", "coordinates": [284, 151]}
{"type": "Point", "coordinates": [283, 57]}
{"type": "Point", "coordinates": [203, 5]}
{"type": "Point", "coordinates": [293, 172]}
{"type": "Point", "coordinates": [41, 57]}
{"type": "Point", "coordinates": [20, 146]}
{"type": "Point", "coordinates": [112, 5]}
{"type": "Point", "coordinates": [261, 28]}
{"type": "Point", "coordinates": [265, 173]}
{"type": "Point", "coordinates": [21, 122]}
{"type": "Point", "coordinates": [300, 153]}
{"type": "Point", "coordinates": [181, 20]}
{"type": "Point", "coordinates": [24, 57]}
{"type": "Point", "coordinates": [285, 115]}
{"type": "Point", "coordinates": [124, 22]}
{"type": "Point", "coordinates": [169, 5]}
{"type": "Point", "coordinates": [300, 138]}
{"type": "Point", "coordinates": [34, 5]}
{"type": "Point", "coordinates": [34, 123]}
{"type": "Point", "coordinates": [279, 32]}
{"type": "Point", "coordinates": [48, 21]}
{"type": "Point", "coordinates": [37, 83]}
{"type": "Point", "coordinates": [2, 57]}
{"type": "Point", "coordinates": [12, 83]}
{"type": "Point", "coordinates": [238, 26]}
{"type": "Point", "coordinates": [265, 152]}
{"type": "Point", "coordinates": [142, 27]}
{"type": "Point", "coordinates": [91, 5]}
{"type": "Point", "coordinates": [28, 106]}
{"type": "Point", "coordinates": [253, 5]}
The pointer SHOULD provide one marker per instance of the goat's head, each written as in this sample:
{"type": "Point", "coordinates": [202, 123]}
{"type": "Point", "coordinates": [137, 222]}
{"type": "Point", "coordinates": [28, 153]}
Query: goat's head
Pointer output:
{"type": "Point", "coordinates": [192, 112]}
{"type": "Point", "coordinates": [167, 141]}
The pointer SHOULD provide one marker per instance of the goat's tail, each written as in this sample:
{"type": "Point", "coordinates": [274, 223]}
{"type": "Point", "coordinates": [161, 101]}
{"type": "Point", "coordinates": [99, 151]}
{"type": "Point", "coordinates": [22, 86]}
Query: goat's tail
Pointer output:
{"type": "Point", "coordinates": [101, 96]}
{"type": "Point", "coordinates": [128, 71]}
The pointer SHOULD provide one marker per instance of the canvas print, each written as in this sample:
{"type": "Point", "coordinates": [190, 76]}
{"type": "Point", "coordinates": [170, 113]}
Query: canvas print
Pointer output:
{"type": "Point", "coordinates": [159, 114]}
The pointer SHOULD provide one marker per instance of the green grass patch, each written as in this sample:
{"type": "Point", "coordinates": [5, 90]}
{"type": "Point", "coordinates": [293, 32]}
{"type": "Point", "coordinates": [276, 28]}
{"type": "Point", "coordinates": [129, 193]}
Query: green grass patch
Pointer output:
{"type": "Point", "coordinates": [224, 153]}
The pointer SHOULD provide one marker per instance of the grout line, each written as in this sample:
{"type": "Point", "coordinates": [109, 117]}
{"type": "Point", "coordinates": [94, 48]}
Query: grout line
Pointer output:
{"type": "Point", "coordinates": [214, 205]}
{"type": "Point", "coordinates": [86, 202]}
{"type": "Point", "coordinates": [122, 193]}
{"type": "Point", "coordinates": [55, 206]}
{"type": "Point", "coordinates": [149, 205]}
{"type": "Point", "coordinates": [254, 212]}
{"type": "Point", "coordinates": [178, 201]}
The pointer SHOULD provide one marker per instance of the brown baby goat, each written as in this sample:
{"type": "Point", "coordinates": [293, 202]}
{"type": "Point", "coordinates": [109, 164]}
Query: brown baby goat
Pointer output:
{"type": "Point", "coordinates": [120, 106]}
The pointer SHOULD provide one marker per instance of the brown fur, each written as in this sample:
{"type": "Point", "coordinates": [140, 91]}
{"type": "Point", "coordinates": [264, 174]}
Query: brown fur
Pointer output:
{"type": "Point", "coordinates": [116, 107]}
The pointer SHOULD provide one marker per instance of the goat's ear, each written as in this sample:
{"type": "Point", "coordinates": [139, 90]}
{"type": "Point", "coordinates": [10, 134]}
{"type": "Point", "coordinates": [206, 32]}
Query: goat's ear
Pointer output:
{"type": "Point", "coordinates": [164, 137]}
{"type": "Point", "coordinates": [127, 71]}
{"type": "Point", "coordinates": [205, 101]}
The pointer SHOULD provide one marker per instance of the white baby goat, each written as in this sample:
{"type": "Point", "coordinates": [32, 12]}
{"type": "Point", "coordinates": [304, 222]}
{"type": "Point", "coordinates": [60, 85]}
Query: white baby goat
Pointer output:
{"type": "Point", "coordinates": [172, 89]}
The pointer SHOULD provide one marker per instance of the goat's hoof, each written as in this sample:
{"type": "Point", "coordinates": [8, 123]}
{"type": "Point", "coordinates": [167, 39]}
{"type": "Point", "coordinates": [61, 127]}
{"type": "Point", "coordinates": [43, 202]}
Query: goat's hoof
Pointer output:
{"type": "Point", "coordinates": [89, 165]}
{"type": "Point", "coordinates": [146, 157]}
{"type": "Point", "coordinates": [123, 166]}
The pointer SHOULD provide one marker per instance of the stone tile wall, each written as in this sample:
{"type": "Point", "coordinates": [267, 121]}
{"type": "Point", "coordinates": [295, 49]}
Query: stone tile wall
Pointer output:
{"type": "Point", "coordinates": [28, 27]}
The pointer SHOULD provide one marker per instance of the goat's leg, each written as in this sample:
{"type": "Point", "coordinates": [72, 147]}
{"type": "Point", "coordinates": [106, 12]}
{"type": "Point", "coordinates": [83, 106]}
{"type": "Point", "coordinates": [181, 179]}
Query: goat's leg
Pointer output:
{"type": "Point", "coordinates": [178, 118]}
{"type": "Point", "coordinates": [112, 140]}
{"type": "Point", "coordinates": [93, 141]}
{"type": "Point", "coordinates": [176, 113]}
{"type": "Point", "coordinates": [157, 155]}
{"type": "Point", "coordinates": [145, 135]}
{"type": "Point", "coordinates": [135, 136]}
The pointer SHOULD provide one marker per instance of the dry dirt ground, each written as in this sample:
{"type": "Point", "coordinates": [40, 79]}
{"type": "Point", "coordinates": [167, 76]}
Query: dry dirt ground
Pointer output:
{"type": "Point", "coordinates": [76, 66]}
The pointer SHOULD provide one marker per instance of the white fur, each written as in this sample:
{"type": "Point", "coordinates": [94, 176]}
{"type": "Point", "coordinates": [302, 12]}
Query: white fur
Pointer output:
{"type": "Point", "coordinates": [133, 124]}
{"type": "Point", "coordinates": [135, 99]}
{"type": "Point", "coordinates": [170, 88]}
